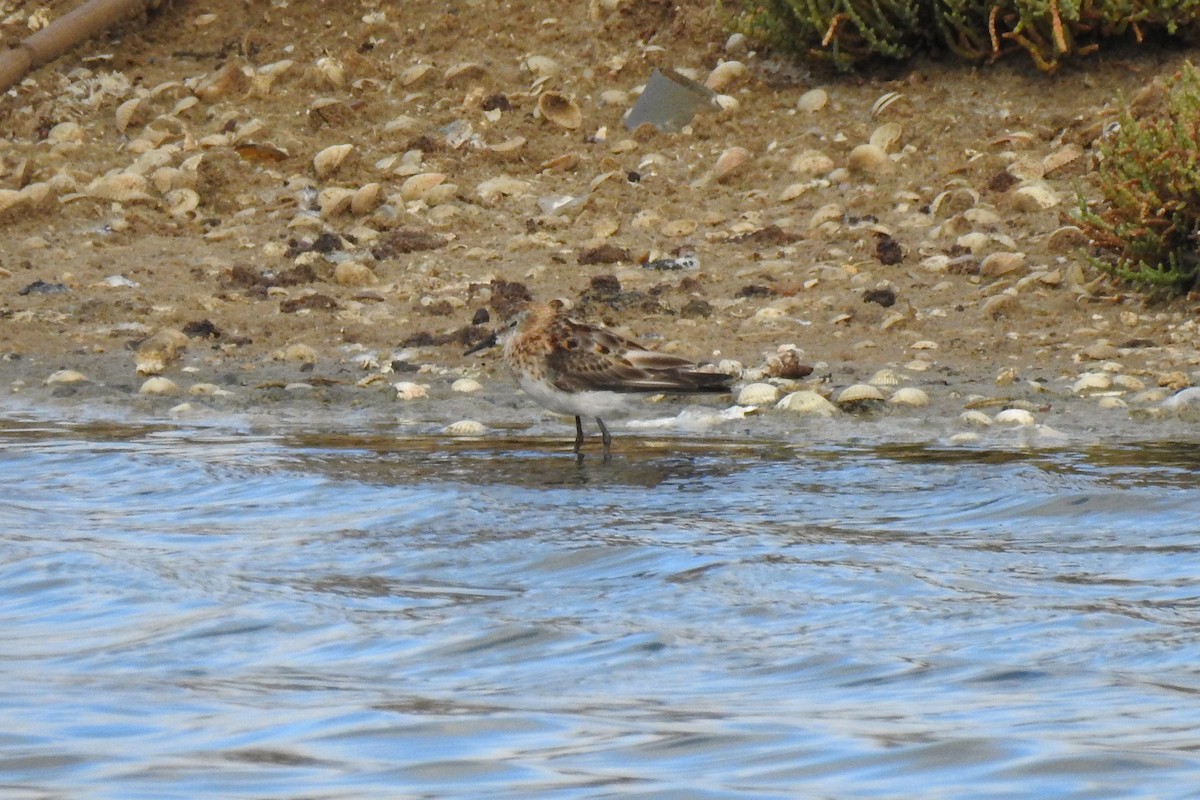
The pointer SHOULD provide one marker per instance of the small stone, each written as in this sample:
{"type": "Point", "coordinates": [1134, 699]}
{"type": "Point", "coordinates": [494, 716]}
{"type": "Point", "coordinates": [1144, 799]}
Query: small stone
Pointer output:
{"type": "Point", "coordinates": [353, 273]}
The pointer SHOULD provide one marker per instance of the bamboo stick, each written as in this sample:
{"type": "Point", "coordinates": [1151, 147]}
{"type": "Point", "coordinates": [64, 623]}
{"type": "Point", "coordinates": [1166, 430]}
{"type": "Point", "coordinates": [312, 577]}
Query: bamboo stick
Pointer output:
{"type": "Point", "coordinates": [90, 19]}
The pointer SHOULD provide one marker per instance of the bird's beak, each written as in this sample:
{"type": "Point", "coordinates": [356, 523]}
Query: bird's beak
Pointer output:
{"type": "Point", "coordinates": [490, 341]}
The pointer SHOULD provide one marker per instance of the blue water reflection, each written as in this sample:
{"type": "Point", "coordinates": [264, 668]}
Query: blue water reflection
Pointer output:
{"type": "Point", "coordinates": [213, 613]}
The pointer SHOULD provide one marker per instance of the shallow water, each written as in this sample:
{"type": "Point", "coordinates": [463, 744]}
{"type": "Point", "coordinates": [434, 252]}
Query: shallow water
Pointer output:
{"type": "Point", "coordinates": [225, 613]}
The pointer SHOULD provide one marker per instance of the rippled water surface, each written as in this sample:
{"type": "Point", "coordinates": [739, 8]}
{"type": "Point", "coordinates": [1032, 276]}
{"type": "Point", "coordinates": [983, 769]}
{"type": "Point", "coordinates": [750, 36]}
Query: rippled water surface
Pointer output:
{"type": "Point", "coordinates": [220, 613]}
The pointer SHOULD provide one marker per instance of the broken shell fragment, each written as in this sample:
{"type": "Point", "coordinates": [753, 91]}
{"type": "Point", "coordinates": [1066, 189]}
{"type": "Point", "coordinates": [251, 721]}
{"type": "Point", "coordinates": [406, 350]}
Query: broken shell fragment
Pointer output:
{"type": "Point", "coordinates": [121, 187]}
{"type": "Point", "coordinates": [561, 110]}
{"type": "Point", "coordinates": [407, 390]}
{"type": "Point", "coordinates": [181, 202]}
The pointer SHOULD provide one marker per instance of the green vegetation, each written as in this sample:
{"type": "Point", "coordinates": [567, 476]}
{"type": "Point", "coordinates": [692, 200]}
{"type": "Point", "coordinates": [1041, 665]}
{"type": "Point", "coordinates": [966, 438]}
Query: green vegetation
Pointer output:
{"type": "Point", "coordinates": [849, 31]}
{"type": "Point", "coordinates": [1146, 228]}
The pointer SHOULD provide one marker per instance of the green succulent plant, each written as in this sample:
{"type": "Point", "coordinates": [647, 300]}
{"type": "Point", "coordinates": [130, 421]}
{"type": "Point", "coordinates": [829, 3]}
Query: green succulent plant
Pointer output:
{"type": "Point", "coordinates": [847, 32]}
{"type": "Point", "coordinates": [1146, 225]}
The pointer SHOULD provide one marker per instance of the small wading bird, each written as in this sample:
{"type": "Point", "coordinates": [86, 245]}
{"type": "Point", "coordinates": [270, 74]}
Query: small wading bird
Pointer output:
{"type": "Point", "coordinates": [581, 370]}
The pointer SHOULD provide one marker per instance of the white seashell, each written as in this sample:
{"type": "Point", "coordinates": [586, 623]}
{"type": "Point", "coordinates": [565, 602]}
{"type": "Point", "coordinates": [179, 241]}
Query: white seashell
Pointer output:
{"type": "Point", "coordinates": [1035, 197]}
{"type": "Point", "coordinates": [1112, 402]}
{"type": "Point", "coordinates": [181, 202]}
{"type": "Point", "coordinates": [65, 376]}
{"type": "Point", "coordinates": [1061, 157]}
{"type": "Point", "coordinates": [276, 68]}
{"type": "Point", "coordinates": [65, 132]}
{"type": "Point", "coordinates": [909, 396]}
{"type": "Point", "coordinates": [1129, 383]}
{"type": "Point", "coordinates": [464, 71]}
{"type": "Point", "coordinates": [614, 97]}
{"type": "Point", "coordinates": [334, 200]}
{"type": "Point", "coordinates": [330, 159]}
{"type": "Point", "coordinates": [36, 193]}
{"type": "Point", "coordinates": [406, 390]}
{"type": "Point", "coordinates": [332, 71]}
{"type": "Point", "coordinates": [414, 73]}
{"type": "Point", "coordinates": [813, 100]}
{"type": "Point", "coordinates": [122, 187]}
{"type": "Point", "coordinates": [542, 66]}
{"type": "Point", "coordinates": [159, 385]}
{"type": "Point", "coordinates": [440, 194]}
{"type": "Point", "coordinates": [366, 198]}
{"type": "Point", "coordinates": [794, 190]}
{"type": "Point", "coordinates": [830, 212]}
{"type": "Point", "coordinates": [806, 402]}
{"type": "Point", "coordinates": [1015, 416]}
{"type": "Point", "coordinates": [886, 378]}
{"type": "Point", "coordinates": [402, 124]}
{"type": "Point", "coordinates": [729, 366]}
{"type": "Point", "coordinates": [466, 385]}
{"type": "Point", "coordinates": [724, 74]}
{"type": "Point", "coordinates": [510, 145]}
{"type": "Point", "coordinates": [757, 394]}
{"type": "Point", "coordinates": [924, 344]}
{"type": "Point", "coordinates": [859, 393]}
{"type": "Point", "coordinates": [465, 427]}
{"type": "Point", "coordinates": [730, 160]}
{"type": "Point", "coordinates": [561, 110]}
{"type": "Point", "coordinates": [726, 102]}
{"type": "Point", "coordinates": [208, 390]}
{"type": "Point", "coordinates": [886, 135]}
{"type": "Point", "coordinates": [869, 158]}
{"type": "Point", "coordinates": [976, 418]}
{"type": "Point", "coordinates": [419, 185]}
{"type": "Point", "coordinates": [127, 111]}
{"type": "Point", "coordinates": [11, 198]}
{"type": "Point", "coordinates": [184, 105]}
{"type": "Point", "coordinates": [1092, 382]}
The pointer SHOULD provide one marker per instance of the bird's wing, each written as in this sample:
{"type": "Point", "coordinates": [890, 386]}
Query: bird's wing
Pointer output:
{"type": "Point", "coordinates": [594, 359]}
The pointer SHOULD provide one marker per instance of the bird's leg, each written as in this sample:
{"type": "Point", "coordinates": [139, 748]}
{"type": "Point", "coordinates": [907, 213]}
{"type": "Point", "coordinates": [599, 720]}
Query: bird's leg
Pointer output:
{"type": "Point", "coordinates": [578, 434]}
{"type": "Point", "coordinates": [604, 434]}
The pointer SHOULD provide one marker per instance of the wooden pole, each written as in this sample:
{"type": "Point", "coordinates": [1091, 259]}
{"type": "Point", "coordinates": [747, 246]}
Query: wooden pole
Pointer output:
{"type": "Point", "coordinates": [90, 19]}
